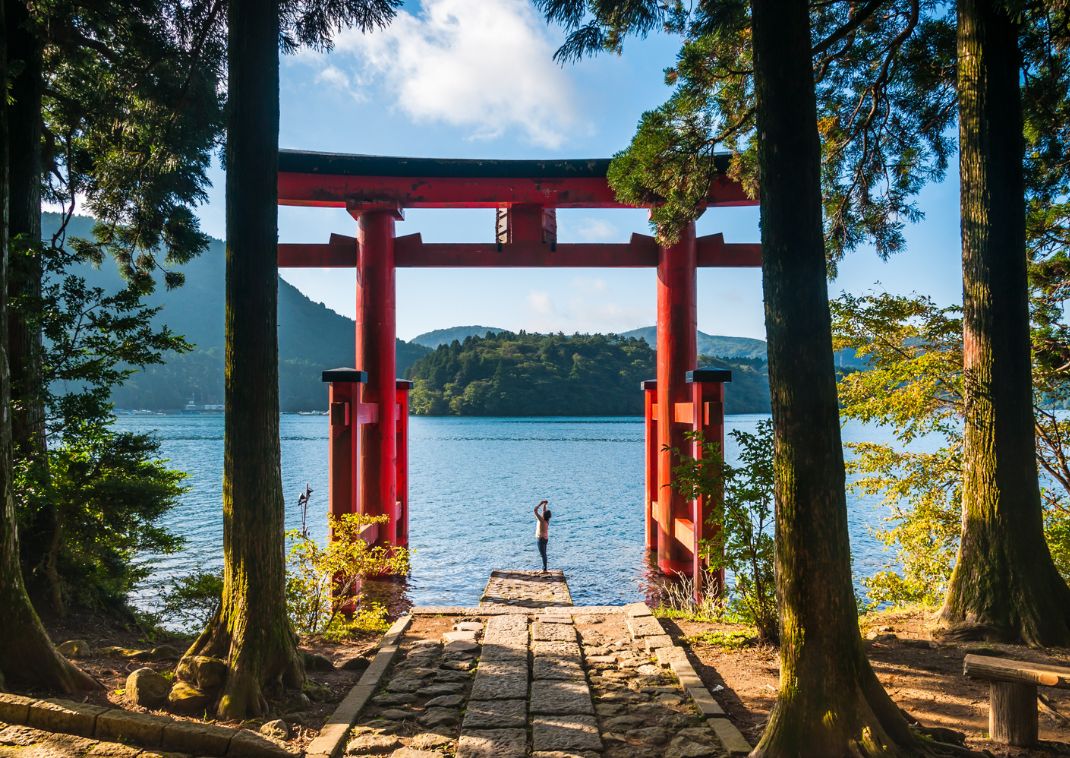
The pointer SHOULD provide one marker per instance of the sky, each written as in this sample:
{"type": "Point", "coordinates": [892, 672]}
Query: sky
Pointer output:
{"type": "Point", "coordinates": [476, 79]}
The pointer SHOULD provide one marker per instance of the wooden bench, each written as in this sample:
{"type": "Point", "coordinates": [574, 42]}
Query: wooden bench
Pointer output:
{"type": "Point", "coordinates": [1012, 707]}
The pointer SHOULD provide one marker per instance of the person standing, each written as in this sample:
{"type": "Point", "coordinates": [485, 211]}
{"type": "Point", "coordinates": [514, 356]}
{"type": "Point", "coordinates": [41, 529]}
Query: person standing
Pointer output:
{"type": "Point", "coordinates": [542, 529]}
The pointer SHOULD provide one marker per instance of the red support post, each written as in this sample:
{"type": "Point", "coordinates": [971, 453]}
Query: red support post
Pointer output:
{"type": "Point", "coordinates": [707, 418]}
{"type": "Point", "coordinates": [403, 388]}
{"type": "Point", "coordinates": [650, 464]}
{"type": "Point", "coordinates": [376, 325]}
{"type": "Point", "coordinates": [677, 334]}
{"type": "Point", "coordinates": [344, 398]}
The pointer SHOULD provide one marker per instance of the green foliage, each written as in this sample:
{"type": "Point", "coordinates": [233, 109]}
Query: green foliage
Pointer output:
{"type": "Point", "coordinates": [723, 640]}
{"type": "Point", "coordinates": [914, 387]}
{"type": "Point", "coordinates": [190, 601]}
{"type": "Point", "coordinates": [90, 507]}
{"type": "Point", "coordinates": [323, 582]}
{"type": "Point", "coordinates": [884, 79]}
{"type": "Point", "coordinates": [743, 542]}
{"type": "Point", "coordinates": [132, 112]}
{"type": "Point", "coordinates": [507, 374]}
{"type": "Point", "coordinates": [106, 490]}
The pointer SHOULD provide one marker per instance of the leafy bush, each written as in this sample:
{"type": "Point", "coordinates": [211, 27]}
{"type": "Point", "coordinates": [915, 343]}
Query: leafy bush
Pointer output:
{"type": "Point", "coordinates": [323, 583]}
{"type": "Point", "coordinates": [743, 543]}
{"type": "Point", "coordinates": [191, 601]}
{"type": "Point", "coordinates": [913, 386]}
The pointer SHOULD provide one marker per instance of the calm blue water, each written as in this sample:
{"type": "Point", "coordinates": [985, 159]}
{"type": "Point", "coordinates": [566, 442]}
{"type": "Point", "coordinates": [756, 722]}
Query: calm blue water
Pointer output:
{"type": "Point", "coordinates": [473, 484]}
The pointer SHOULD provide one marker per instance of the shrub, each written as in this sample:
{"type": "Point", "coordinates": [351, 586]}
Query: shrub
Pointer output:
{"type": "Point", "coordinates": [743, 542]}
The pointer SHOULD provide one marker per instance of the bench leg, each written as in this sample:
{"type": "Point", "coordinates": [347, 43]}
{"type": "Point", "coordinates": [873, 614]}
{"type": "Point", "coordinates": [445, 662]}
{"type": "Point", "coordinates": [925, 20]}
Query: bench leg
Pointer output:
{"type": "Point", "coordinates": [1012, 714]}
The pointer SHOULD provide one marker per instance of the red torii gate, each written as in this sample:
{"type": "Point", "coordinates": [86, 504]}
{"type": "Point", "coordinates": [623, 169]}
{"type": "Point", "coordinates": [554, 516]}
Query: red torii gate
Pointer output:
{"type": "Point", "coordinates": [369, 405]}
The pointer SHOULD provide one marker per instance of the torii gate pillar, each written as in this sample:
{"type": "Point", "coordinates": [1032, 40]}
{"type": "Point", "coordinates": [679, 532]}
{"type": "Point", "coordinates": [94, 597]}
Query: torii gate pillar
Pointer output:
{"type": "Point", "coordinates": [376, 354]}
{"type": "Point", "coordinates": [677, 355]}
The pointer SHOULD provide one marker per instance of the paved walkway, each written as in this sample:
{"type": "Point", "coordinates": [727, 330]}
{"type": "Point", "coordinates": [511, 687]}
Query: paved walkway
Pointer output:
{"type": "Point", "coordinates": [525, 589]}
{"type": "Point", "coordinates": [550, 679]}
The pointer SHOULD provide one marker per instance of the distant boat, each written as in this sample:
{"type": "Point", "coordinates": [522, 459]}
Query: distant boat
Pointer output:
{"type": "Point", "coordinates": [193, 407]}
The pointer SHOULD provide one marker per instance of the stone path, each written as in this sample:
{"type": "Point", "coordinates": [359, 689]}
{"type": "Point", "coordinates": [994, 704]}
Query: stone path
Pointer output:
{"type": "Point", "coordinates": [525, 589]}
{"type": "Point", "coordinates": [551, 680]}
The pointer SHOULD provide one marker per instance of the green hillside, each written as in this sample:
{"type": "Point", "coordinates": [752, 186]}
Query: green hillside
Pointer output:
{"type": "Point", "coordinates": [509, 374]}
{"type": "Point", "coordinates": [438, 337]}
{"type": "Point", "coordinates": [311, 337]}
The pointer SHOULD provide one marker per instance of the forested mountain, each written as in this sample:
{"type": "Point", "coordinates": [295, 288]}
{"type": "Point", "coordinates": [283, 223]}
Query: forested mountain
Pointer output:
{"type": "Point", "coordinates": [438, 337]}
{"type": "Point", "coordinates": [508, 374]}
{"type": "Point", "coordinates": [710, 344]}
{"type": "Point", "coordinates": [312, 337]}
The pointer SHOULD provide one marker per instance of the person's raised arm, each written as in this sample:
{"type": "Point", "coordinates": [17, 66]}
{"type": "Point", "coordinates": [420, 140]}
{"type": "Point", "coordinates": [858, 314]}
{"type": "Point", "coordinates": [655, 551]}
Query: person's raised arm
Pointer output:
{"type": "Point", "coordinates": [542, 504]}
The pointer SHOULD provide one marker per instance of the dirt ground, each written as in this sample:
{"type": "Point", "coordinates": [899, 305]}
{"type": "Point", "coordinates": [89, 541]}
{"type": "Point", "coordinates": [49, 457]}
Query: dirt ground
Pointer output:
{"type": "Point", "coordinates": [305, 713]}
{"type": "Point", "coordinates": [923, 677]}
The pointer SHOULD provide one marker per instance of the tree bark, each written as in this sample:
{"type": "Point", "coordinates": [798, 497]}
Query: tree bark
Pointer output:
{"type": "Point", "coordinates": [25, 346]}
{"type": "Point", "coordinates": [27, 656]}
{"type": "Point", "coordinates": [24, 219]}
{"type": "Point", "coordinates": [830, 702]}
{"type": "Point", "coordinates": [1004, 586]}
{"type": "Point", "coordinates": [251, 630]}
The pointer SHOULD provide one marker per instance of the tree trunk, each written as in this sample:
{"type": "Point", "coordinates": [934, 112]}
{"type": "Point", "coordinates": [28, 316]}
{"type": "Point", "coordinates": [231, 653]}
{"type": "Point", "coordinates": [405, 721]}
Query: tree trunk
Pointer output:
{"type": "Point", "coordinates": [252, 631]}
{"type": "Point", "coordinates": [27, 657]}
{"type": "Point", "coordinates": [1004, 586]}
{"type": "Point", "coordinates": [25, 347]}
{"type": "Point", "coordinates": [24, 224]}
{"type": "Point", "coordinates": [830, 702]}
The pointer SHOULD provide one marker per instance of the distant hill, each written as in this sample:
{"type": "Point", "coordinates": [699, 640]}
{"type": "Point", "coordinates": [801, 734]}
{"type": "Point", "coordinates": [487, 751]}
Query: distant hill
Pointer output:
{"type": "Point", "coordinates": [710, 344]}
{"type": "Point", "coordinates": [312, 337]}
{"type": "Point", "coordinates": [507, 374]}
{"type": "Point", "coordinates": [438, 337]}
{"type": "Point", "coordinates": [738, 347]}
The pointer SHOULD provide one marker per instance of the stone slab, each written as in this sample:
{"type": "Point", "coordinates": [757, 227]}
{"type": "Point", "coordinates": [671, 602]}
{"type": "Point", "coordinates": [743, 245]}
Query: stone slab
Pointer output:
{"type": "Point", "coordinates": [556, 649]}
{"type": "Point", "coordinates": [705, 702]}
{"type": "Point", "coordinates": [561, 697]}
{"type": "Point", "coordinates": [666, 655]}
{"type": "Point", "coordinates": [515, 622]}
{"type": "Point", "coordinates": [545, 667]}
{"type": "Point", "coordinates": [551, 631]}
{"type": "Point", "coordinates": [248, 744]}
{"type": "Point", "coordinates": [732, 739]}
{"type": "Point", "coordinates": [493, 743]}
{"type": "Point", "coordinates": [65, 716]}
{"type": "Point", "coordinates": [637, 609]}
{"type": "Point", "coordinates": [495, 714]}
{"type": "Point", "coordinates": [14, 709]}
{"type": "Point", "coordinates": [133, 727]}
{"type": "Point", "coordinates": [686, 674]}
{"type": "Point", "coordinates": [565, 733]}
{"type": "Point", "coordinates": [655, 642]}
{"type": "Point", "coordinates": [196, 739]}
{"type": "Point", "coordinates": [500, 680]}
{"type": "Point", "coordinates": [643, 626]}
{"type": "Point", "coordinates": [491, 653]}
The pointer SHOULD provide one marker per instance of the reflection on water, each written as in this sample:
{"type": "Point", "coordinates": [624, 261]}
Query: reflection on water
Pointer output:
{"type": "Point", "coordinates": [473, 485]}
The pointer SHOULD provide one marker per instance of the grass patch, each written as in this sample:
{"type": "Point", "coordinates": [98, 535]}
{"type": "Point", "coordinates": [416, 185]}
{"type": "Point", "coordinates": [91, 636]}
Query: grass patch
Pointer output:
{"type": "Point", "coordinates": [723, 640]}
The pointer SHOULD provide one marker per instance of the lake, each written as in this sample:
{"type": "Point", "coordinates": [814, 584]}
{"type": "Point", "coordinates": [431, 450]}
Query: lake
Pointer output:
{"type": "Point", "coordinates": [473, 484]}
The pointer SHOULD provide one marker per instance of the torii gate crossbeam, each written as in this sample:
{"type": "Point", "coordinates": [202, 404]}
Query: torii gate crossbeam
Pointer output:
{"type": "Point", "coordinates": [369, 405]}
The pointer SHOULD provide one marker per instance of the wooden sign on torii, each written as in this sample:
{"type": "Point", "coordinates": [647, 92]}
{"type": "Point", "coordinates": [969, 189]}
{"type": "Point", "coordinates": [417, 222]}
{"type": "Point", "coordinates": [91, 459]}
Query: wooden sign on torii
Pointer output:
{"type": "Point", "coordinates": [369, 405]}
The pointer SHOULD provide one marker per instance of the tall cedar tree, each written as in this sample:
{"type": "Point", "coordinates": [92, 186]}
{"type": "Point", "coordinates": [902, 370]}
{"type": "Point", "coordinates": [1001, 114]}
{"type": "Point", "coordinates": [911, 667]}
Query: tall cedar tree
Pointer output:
{"type": "Point", "coordinates": [27, 656]}
{"type": "Point", "coordinates": [830, 701]}
{"type": "Point", "coordinates": [119, 103]}
{"type": "Point", "coordinates": [1004, 585]}
{"type": "Point", "coordinates": [251, 630]}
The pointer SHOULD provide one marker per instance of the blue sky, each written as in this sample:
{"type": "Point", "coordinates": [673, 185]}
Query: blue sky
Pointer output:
{"type": "Point", "coordinates": [471, 78]}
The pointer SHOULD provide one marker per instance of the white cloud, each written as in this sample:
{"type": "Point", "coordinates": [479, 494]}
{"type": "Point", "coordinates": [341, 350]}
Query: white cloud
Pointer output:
{"type": "Point", "coordinates": [541, 303]}
{"type": "Point", "coordinates": [482, 65]}
{"type": "Point", "coordinates": [596, 230]}
{"type": "Point", "coordinates": [589, 307]}
{"type": "Point", "coordinates": [335, 77]}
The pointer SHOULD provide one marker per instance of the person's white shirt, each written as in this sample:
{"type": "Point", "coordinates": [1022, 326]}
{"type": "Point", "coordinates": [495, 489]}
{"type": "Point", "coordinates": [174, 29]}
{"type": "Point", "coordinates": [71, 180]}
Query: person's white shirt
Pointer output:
{"type": "Point", "coordinates": [542, 527]}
